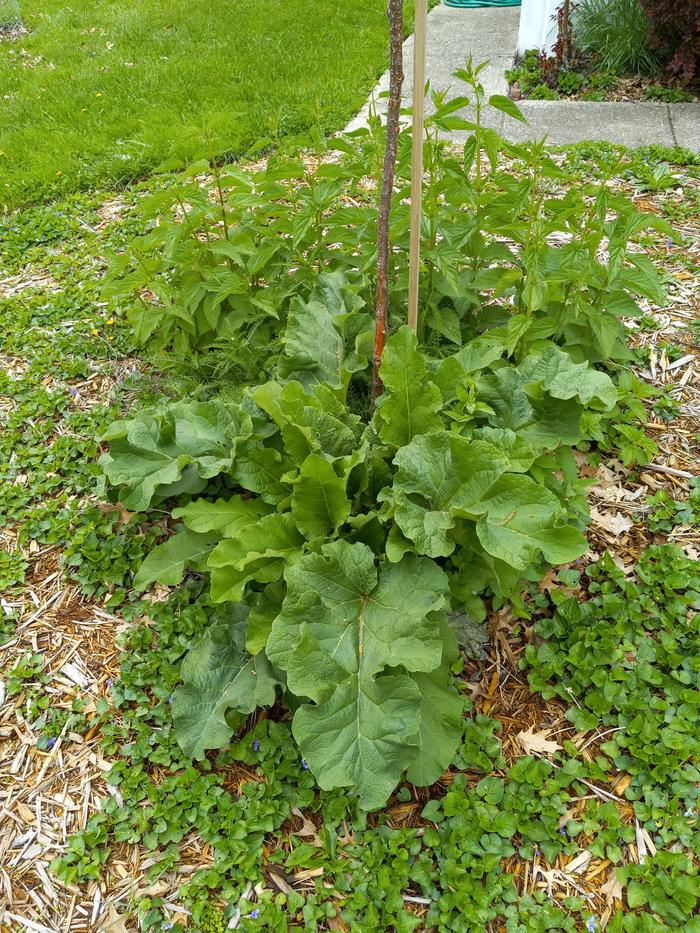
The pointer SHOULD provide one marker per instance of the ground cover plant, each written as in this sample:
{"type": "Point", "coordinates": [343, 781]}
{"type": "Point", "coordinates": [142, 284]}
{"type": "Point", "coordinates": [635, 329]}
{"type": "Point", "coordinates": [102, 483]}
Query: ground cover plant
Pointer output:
{"type": "Point", "coordinates": [243, 834]}
{"type": "Point", "coordinates": [537, 77]}
{"type": "Point", "coordinates": [103, 94]}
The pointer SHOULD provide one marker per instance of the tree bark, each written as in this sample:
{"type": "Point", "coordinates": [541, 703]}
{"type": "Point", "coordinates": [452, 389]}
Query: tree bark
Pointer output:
{"type": "Point", "coordinates": [395, 16]}
{"type": "Point", "coordinates": [419, 38]}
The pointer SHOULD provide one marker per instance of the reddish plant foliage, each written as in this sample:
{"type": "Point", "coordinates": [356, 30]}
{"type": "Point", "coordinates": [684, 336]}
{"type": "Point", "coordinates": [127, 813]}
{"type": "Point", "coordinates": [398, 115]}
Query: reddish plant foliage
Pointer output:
{"type": "Point", "coordinates": [675, 29]}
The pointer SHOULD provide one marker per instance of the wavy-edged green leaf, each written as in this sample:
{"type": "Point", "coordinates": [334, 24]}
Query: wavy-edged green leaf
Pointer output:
{"type": "Point", "coordinates": [439, 477]}
{"type": "Point", "coordinates": [361, 737]}
{"type": "Point", "coordinates": [319, 502]}
{"type": "Point", "coordinates": [310, 420]}
{"type": "Point", "coordinates": [167, 562]}
{"type": "Point", "coordinates": [319, 340]}
{"type": "Point", "coordinates": [544, 422]}
{"type": "Point", "coordinates": [442, 709]}
{"type": "Point", "coordinates": [260, 469]}
{"type": "Point", "coordinates": [220, 678]}
{"type": "Point", "coordinates": [206, 431]}
{"type": "Point", "coordinates": [480, 352]}
{"type": "Point", "coordinates": [411, 402]}
{"type": "Point", "coordinates": [258, 552]}
{"type": "Point", "coordinates": [173, 450]}
{"type": "Point", "coordinates": [139, 463]}
{"type": "Point", "coordinates": [342, 623]}
{"type": "Point", "coordinates": [225, 516]}
{"type": "Point", "coordinates": [516, 449]}
{"type": "Point", "coordinates": [520, 521]}
{"type": "Point", "coordinates": [440, 726]}
{"type": "Point", "coordinates": [562, 378]}
{"type": "Point", "coordinates": [264, 609]}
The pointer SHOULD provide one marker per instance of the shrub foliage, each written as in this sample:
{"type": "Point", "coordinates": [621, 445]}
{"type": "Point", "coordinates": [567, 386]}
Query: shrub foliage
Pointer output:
{"type": "Point", "coordinates": [675, 29]}
{"type": "Point", "coordinates": [352, 544]}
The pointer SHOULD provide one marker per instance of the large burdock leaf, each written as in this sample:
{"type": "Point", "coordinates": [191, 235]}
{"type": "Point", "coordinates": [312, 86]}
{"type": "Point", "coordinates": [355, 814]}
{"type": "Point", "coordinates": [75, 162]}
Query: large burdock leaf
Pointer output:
{"type": "Point", "coordinates": [544, 422]}
{"type": "Point", "coordinates": [322, 335]}
{"type": "Point", "coordinates": [225, 516]}
{"type": "Point", "coordinates": [441, 722]}
{"type": "Point", "coordinates": [440, 726]}
{"type": "Point", "coordinates": [562, 378]}
{"type": "Point", "coordinates": [319, 502]}
{"type": "Point", "coordinates": [167, 562]}
{"type": "Point", "coordinates": [310, 420]}
{"type": "Point", "coordinates": [343, 622]}
{"type": "Point", "coordinates": [220, 678]}
{"type": "Point", "coordinates": [521, 520]}
{"type": "Point", "coordinates": [440, 477]}
{"type": "Point", "coordinates": [257, 552]}
{"type": "Point", "coordinates": [362, 736]}
{"type": "Point", "coordinates": [516, 449]}
{"type": "Point", "coordinates": [260, 469]}
{"type": "Point", "coordinates": [411, 402]}
{"type": "Point", "coordinates": [474, 356]}
{"type": "Point", "coordinates": [313, 348]}
{"type": "Point", "coordinates": [173, 450]}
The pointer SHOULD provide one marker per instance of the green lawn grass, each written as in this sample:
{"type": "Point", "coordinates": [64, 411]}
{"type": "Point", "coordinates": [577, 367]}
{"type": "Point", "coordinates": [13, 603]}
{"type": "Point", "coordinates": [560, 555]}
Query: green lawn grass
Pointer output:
{"type": "Point", "coordinates": [101, 92]}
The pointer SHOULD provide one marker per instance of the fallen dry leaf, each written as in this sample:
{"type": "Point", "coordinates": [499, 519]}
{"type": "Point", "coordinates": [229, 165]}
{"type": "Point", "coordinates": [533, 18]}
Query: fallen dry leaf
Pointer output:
{"type": "Point", "coordinates": [578, 863]}
{"type": "Point", "coordinates": [537, 743]}
{"type": "Point", "coordinates": [307, 829]}
{"type": "Point", "coordinates": [614, 522]}
{"type": "Point", "coordinates": [612, 889]}
{"type": "Point", "coordinates": [112, 922]}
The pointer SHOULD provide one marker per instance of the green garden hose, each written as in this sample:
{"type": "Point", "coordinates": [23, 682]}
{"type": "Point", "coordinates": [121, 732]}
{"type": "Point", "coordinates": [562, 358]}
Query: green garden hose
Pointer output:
{"type": "Point", "coordinates": [473, 4]}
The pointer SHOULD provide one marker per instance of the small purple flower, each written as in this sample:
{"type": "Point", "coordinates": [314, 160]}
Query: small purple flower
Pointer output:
{"type": "Point", "coordinates": [51, 743]}
{"type": "Point", "coordinates": [563, 831]}
{"type": "Point", "coordinates": [256, 745]}
{"type": "Point", "coordinates": [255, 914]}
{"type": "Point", "coordinates": [110, 681]}
{"type": "Point", "coordinates": [73, 391]}
{"type": "Point", "coordinates": [304, 765]}
{"type": "Point", "coordinates": [537, 852]}
{"type": "Point", "coordinates": [591, 925]}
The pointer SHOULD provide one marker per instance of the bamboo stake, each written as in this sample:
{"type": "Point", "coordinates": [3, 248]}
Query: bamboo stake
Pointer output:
{"type": "Point", "coordinates": [421, 29]}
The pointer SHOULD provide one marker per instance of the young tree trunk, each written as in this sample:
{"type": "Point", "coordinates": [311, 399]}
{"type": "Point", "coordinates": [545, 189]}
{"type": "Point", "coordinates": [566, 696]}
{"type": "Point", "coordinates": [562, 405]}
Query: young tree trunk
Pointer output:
{"type": "Point", "coordinates": [395, 15]}
{"type": "Point", "coordinates": [419, 39]}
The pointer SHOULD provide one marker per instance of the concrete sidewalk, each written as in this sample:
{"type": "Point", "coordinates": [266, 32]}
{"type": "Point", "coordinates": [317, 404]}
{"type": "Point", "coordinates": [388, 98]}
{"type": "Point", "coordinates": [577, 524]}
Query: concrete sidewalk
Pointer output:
{"type": "Point", "coordinates": [490, 34]}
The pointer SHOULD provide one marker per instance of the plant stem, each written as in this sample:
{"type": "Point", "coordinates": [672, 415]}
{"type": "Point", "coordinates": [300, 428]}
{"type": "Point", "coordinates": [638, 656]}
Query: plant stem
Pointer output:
{"type": "Point", "coordinates": [395, 16]}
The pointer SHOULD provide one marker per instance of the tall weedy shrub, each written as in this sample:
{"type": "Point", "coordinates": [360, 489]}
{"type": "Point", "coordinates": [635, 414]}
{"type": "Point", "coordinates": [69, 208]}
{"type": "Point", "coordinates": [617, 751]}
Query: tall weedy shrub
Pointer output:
{"type": "Point", "coordinates": [355, 549]}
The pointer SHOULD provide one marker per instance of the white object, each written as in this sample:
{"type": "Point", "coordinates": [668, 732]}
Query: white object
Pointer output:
{"type": "Point", "coordinates": [538, 25]}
